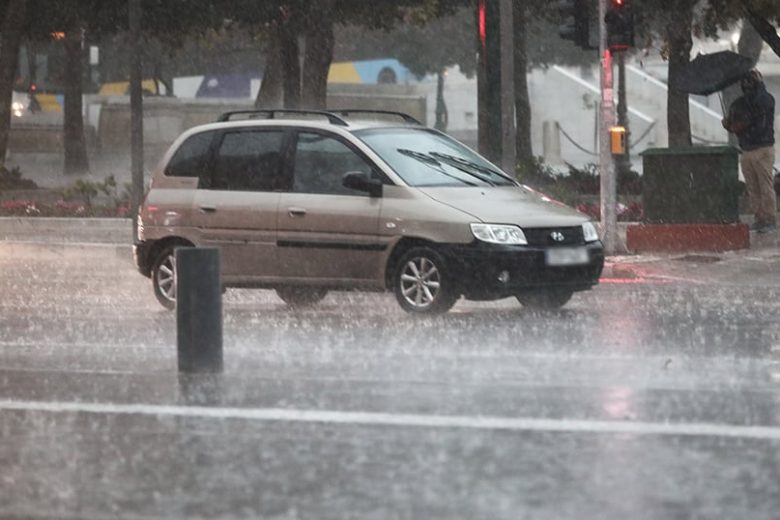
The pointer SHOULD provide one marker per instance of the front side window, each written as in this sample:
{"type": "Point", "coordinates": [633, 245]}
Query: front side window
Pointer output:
{"type": "Point", "coordinates": [321, 163]}
{"type": "Point", "coordinates": [191, 157]}
{"type": "Point", "coordinates": [249, 161]}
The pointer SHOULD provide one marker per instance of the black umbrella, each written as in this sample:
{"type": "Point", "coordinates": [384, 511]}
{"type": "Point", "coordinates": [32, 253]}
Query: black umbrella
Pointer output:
{"type": "Point", "coordinates": [708, 73]}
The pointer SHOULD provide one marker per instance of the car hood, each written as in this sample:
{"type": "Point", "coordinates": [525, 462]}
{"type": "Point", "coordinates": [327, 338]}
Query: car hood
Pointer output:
{"type": "Point", "coordinates": [507, 205]}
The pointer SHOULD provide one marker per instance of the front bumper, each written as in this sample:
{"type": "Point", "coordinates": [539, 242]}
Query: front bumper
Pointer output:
{"type": "Point", "coordinates": [488, 271]}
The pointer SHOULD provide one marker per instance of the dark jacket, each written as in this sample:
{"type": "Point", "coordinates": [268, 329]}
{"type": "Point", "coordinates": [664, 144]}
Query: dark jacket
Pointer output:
{"type": "Point", "coordinates": [752, 119]}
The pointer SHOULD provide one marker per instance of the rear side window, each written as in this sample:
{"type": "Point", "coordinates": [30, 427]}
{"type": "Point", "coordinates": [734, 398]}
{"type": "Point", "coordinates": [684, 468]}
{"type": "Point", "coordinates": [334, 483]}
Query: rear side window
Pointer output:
{"type": "Point", "coordinates": [249, 161]}
{"type": "Point", "coordinates": [191, 157]}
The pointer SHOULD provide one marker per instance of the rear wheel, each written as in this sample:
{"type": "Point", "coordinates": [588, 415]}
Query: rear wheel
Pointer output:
{"type": "Point", "coordinates": [545, 298]}
{"type": "Point", "coordinates": [301, 296]}
{"type": "Point", "coordinates": [423, 283]}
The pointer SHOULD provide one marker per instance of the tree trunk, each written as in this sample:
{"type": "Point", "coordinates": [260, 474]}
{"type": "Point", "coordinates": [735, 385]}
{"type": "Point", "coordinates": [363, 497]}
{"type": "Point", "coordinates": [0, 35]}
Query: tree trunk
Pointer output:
{"type": "Point", "coordinates": [161, 77]}
{"type": "Point", "coordinates": [678, 111]}
{"type": "Point", "coordinates": [291, 66]}
{"type": "Point", "coordinates": [10, 39]}
{"type": "Point", "coordinates": [523, 147]}
{"type": "Point", "coordinates": [270, 93]}
{"type": "Point", "coordinates": [32, 63]}
{"type": "Point", "coordinates": [75, 145]}
{"type": "Point", "coordinates": [318, 55]}
{"type": "Point", "coordinates": [442, 116]}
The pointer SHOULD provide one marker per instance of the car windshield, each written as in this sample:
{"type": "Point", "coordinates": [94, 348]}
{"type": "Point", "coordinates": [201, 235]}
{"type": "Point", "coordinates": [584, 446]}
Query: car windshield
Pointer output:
{"type": "Point", "coordinates": [426, 158]}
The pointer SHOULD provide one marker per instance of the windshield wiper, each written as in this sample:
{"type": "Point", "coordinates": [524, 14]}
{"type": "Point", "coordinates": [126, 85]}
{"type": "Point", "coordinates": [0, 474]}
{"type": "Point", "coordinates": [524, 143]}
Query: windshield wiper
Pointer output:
{"type": "Point", "coordinates": [420, 156]}
{"type": "Point", "coordinates": [432, 162]}
{"type": "Point", "coordinates": [461, 163]}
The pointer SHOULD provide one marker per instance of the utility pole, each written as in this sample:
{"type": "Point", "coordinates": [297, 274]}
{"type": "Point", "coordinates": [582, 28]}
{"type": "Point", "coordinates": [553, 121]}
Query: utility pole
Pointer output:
{"type": "Point", "coordinates": [606, 166]}
{"type": "Point", "coordinates": [136, 112]}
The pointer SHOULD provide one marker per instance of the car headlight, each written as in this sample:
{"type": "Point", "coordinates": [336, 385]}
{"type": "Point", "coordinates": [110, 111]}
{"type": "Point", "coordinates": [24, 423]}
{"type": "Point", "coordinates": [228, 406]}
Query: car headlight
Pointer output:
{"type": "Point", "coordinates": [499, 234]}
{"type": "Point", "coordinates": [589, 232]}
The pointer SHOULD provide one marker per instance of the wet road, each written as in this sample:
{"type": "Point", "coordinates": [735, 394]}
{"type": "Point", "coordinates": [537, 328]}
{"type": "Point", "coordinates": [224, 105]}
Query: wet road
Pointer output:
{"type": "Point", "coordinates": [638, 400]}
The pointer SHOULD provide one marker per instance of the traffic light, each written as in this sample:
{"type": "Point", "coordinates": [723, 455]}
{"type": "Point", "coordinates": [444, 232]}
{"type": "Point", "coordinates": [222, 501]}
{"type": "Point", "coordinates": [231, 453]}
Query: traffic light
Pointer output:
{"type": "Point", "coordinates": [620, 25]}
{"type": "Point", "coordinates": [575, 22]}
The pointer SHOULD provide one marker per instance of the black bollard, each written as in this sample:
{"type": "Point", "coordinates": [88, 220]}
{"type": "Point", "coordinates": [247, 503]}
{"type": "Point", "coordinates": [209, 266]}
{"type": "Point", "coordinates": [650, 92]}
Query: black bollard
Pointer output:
{"type": "Point", "coordinates": [199, 309]}
{"type": "Point", "coordinates": [200, 389]}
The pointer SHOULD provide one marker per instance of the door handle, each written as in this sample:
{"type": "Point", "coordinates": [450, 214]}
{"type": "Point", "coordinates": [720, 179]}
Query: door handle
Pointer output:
{"type": "Point", "coordinates": [296, 212]}
{"type": "Point", "coordinates": [208, 209]}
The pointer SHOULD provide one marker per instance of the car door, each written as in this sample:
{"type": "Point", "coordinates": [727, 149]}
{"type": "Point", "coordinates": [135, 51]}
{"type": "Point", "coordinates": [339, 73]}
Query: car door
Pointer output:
{"type": "Point", "coordinates": [235, 208]}
{"type": "Point", "coordinates": [326, 231]}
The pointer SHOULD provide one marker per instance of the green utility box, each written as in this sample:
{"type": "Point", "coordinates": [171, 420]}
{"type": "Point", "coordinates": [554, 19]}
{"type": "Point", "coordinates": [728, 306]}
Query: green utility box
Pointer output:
{"type": "Point", "coordinates": [696, 185]}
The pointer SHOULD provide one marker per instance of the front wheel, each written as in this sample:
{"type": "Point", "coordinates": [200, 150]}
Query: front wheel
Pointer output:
{"type": "Point", "coordinates": [301, 296]}
{"type": "Point", "coordinates": [164, 277]}
{"type": "Point", "coordinates": [423, 283]}
{"type": "Point", "coordinates": [547, 299]}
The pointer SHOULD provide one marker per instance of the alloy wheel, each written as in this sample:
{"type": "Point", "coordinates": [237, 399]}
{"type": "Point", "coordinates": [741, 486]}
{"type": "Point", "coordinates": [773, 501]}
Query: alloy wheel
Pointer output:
{"type": "Point", "coordinates": [420, 282]}
{"type": "Point", "coordinates": [166, 277]}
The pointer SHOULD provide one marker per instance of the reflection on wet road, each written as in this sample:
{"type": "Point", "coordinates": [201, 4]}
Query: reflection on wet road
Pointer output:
{"type": "Point", "coordinates": [635, 401]}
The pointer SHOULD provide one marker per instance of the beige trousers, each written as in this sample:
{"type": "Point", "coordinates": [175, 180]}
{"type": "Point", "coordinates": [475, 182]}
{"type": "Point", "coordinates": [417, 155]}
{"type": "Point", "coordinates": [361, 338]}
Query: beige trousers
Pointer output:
{"type": "Point", "coordinates": [757, 167]}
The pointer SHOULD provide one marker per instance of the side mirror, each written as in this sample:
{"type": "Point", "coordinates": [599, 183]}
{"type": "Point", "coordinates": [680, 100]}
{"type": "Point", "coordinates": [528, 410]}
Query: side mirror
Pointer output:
{"type": "Point", "coordinates": [359, 181]}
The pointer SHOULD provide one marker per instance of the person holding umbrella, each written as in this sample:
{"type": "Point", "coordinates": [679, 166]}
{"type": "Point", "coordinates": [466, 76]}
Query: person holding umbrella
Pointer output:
{"type": "Point", "coordinates": [752, 118]}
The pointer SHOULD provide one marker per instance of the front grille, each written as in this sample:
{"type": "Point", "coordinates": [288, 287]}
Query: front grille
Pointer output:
{"type": "Point", "coordinates": [542, 237]}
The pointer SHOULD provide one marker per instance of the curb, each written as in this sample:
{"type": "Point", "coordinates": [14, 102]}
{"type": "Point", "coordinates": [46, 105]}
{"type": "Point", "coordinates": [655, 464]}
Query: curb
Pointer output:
{"type": "Point", "coordinates": [63, 250]}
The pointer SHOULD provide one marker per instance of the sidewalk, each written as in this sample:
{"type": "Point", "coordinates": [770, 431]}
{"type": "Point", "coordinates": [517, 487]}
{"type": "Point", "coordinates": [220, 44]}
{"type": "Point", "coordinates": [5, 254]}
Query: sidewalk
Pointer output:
{"type": "Point", "coordinates": [759, 265]}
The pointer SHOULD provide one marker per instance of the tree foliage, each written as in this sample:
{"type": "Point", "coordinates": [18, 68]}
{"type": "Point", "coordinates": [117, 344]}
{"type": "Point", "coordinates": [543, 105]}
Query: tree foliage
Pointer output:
{"type": "Point", "coordinates": [425, 46]}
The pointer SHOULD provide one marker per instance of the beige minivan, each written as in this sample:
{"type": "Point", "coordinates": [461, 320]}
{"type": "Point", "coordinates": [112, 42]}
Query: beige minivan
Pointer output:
{"type": "Point", "coordinates": [306, 202]}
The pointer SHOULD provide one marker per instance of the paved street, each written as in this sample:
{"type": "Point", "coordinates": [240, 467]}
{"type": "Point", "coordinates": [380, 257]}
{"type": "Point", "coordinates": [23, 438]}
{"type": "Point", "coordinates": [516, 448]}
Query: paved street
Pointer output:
{"type": "Point", "coordinates": [657, 395]}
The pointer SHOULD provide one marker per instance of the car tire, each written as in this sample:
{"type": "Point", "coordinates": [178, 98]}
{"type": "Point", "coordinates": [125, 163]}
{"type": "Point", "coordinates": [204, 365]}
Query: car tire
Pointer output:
{"type": "Point", "coordinates": [301, 296]}
{"type": "Point", "coordinates": [545, 299]}
{"type": "Point", "coordinates": [423, 283]}
{"type": "Point", "coordinates": [164, 276]}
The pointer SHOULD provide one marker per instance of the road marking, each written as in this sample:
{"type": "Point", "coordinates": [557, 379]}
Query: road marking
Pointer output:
{"type": "Point", "coordinates": [405, 420]}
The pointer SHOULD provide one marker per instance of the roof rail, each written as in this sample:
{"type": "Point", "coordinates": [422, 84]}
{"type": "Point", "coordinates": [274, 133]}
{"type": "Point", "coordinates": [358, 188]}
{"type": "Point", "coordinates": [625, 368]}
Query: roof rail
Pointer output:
{"type": "Point", "coordinates": [272, 113]}
{"type": "Point", "coordinates": [406, 117]}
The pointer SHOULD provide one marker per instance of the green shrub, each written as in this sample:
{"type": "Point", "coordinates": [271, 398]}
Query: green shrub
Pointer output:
{"type": "Point", "coordinates": [12, 180]}
{"type": "Point", "coordinates": [586, 180]}
{"type": "Point", "coordinates": [87, 191]}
